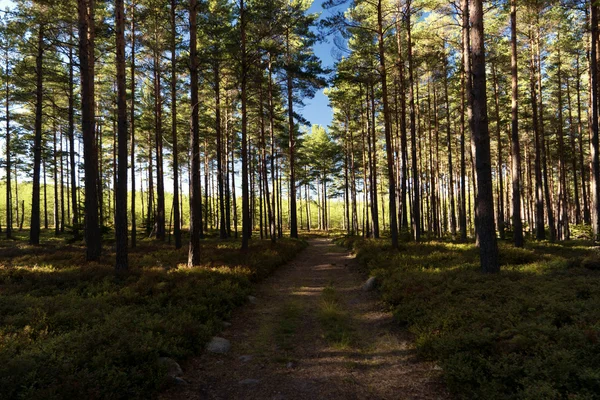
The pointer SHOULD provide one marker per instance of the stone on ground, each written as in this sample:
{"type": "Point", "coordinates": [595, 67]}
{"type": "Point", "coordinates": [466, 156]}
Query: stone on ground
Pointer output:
{"type": "Point", "coordinates": [173, 368]}
{"type": "Point", "coordinates": [218, 345]}
{"type": "Point", "coordinates": [369, 284]}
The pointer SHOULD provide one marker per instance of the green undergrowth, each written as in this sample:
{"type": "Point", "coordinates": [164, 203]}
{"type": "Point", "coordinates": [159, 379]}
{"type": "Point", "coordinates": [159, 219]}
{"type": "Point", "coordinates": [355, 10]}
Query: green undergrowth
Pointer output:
{"type": "Point", "coordinates": [530, 332]}
{"type": "Point", "coordinates": [335, 320]}
{"type": "Point", "coordinates": [75, 330]}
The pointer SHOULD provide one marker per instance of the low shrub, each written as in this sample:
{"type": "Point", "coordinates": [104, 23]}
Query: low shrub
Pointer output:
{"type": "Point", "coordinates": [530, 332]}
{"type": "Point", "coordinates": [74, 330]}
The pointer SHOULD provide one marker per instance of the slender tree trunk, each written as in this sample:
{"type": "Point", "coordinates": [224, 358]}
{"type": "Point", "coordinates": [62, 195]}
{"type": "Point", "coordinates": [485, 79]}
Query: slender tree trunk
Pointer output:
{"type": "Point", "coordinates": [450, 165]}
{"type": "Point", "coordinates": [158, 142]}
{"type": "Point", "coordinates": [291, 141]}
{"type": "Point", "coordinates": [132, 121]}
{"type": "Point", "coordinates": [488, 247]}
{"type": "Point", "coordinates": [539, 191]}
{"type": "Point", "coordinates": [93, 236]}
{"type": "Point", "coordinates": [55, 175]}
{"type": "Point", "coordinates": [34, 230]}
{"type": "Point", "coordinates": [388, 131]}
{"type": "Point", "coordinates": [544, 152]}
{"type": "Point", "coordinates": [594, 147]}
{"type": "Point", "coordinates": [9, 219]}
{"type": "Point", "coordinates": [416, 208]}
{"type": "Point", "coordinates": [515, 146]}
{"type": "Point", "coordinates": [121, 263]}
{"type": "Point", "coordinates": [175, 211]}
{"type": "Point", "coordinates": [246, 223]}
{"type": "Point", "coordinates": [195, 195]}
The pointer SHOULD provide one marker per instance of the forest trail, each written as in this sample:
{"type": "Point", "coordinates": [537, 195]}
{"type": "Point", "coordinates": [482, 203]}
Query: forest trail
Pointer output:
{"type": "Point", "coordinates": [312, 333]}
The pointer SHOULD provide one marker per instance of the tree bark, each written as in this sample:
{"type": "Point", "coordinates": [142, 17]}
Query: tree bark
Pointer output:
{"type": "Point", "coordinates": [195, 195]}
{"type": "Point", "coordinates": [515, 146]}
{"type": "Point", "coordinates": [176, 210]}
{"type": "Point", "coordinates": [387, 130]}
{"type": "Point", "coordinates": [121, 226]}
{"type": "Point", "coordinates": [488, 247]}
{"type": "Point", "coordinates": [34, 230]}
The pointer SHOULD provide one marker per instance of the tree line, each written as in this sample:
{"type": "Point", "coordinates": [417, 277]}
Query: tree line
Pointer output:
{"type": "Point", "coordinates": [124, 98]}
{"type": "Point", "coordinates": [450, 119]}
{"type": "Point", "coordinates": [491, 132]}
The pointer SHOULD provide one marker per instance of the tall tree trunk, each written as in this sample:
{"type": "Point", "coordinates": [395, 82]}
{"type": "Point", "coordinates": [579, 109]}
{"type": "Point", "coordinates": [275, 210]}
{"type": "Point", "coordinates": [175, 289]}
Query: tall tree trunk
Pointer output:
{"type": "Point", "coordinates": [413, 129]}
{"type": "Point", "coordinates": [547, 190]}
{"type": "Point", "coordinates": [488, 247]}
{"type": "Point", "coordinates": [195, 195]}
{"type": "Point", "coordinates": [158, 138]}
{"type": "Point", "coordinates": [499, 146]}
{"type": "Point", "coordinates": [450, 165]}
{"type": "Point", "coordinates": [93, 237]}
{"type": "Point", "coordinates": [539, 191]}
{"type": "Point", "coordinates": [121, 263]}
{"type": "Point", "coordinates": [388, 131]}
{"type": "Point", "coordinates": [515, 146]}
{"type": "Point", "coordinates": [55, 174]}
{"type": "Point", "coordinates": [563, 197]}
{"type": "Point", "coordinates": [34, 232]}
{"type": "Point", "coordinates": [217, 78]}
{"type": "Point", "coordinates": [594, 146]}
{"type": "Point", "coordinates": [8, 153]}
{"type": "Point", "coordinates": [132, 121]}
{"type": "Point", "coordinates": [246, 223]}
{"type": "Point", "coordinates": [176, 210]}
{"type": "Point", "coordinates": [291, 140]}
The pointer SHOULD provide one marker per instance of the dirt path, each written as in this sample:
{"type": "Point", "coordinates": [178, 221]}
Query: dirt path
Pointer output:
{"type": "Point", "coordinates": [312, 334]}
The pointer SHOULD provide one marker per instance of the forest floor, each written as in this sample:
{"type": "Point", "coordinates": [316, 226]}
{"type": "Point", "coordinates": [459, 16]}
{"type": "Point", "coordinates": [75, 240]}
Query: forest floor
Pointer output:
{"type": "Point", "coordinates": [313, 333]}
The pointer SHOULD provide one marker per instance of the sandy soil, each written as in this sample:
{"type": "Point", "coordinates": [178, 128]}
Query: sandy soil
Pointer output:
{"type": "Point", "coordinates": [280, 349]}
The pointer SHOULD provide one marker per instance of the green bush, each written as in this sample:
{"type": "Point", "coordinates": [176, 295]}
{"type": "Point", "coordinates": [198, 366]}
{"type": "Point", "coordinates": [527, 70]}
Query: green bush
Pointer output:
{"type": "Point", "coordinates": [79, 331]}
{"type": "Point", "coordinates": [530, 332]}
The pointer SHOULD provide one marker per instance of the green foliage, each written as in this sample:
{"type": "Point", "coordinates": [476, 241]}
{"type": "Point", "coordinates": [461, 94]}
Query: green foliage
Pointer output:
{"type": "Point", "coordinates": [530, 332]}
{"type": "Point", "coordinates": [334, 320]}
{"type": "Point", "coordinates": [75, 330]}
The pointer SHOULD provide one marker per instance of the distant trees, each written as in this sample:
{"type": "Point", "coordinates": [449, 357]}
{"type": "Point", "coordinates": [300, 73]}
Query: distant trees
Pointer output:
{"type": "Point", "coordinates": [215, 93]}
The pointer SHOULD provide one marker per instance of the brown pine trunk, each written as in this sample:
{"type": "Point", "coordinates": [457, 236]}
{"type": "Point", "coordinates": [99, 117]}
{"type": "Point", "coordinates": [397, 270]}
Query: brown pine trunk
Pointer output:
{"type": "Point", "coordinates": [176, 210]}
{"type": "Point", "coordinates": [121, 263]}
{"type": "Point", "coordinates": [515, 147]}
{"type": "Point", "coordinates": [195, 195]}
{"type": "Point", "coordinates": [416, 203]}
{"type": "Point", "coordinates": [246, 223]}
{"type": "Point", "coordinates": [132, 121]}
{"type": "Point", "coordinates": [488, 247]}
{"type": "Point", "coordinates": [594, 145]}
{"type": "Point", "coordinates": [34, 225]}
{"type": "Point", "coordinates": [93, 236]}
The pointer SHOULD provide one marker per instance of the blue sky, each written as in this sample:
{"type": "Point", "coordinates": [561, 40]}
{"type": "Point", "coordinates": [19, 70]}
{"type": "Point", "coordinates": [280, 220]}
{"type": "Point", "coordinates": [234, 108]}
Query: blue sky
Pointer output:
{"type": "Point", "coordinates": [317, 110]}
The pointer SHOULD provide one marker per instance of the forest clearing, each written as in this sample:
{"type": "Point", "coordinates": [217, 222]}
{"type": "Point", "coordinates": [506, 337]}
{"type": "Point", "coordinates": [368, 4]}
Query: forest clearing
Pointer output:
{"type": "Point", "coordinates": [297, 199]}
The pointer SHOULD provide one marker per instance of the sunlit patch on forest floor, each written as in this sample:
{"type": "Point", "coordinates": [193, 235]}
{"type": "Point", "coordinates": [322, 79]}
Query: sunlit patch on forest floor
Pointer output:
{"type": "Point", "coordinates": [71, 329]}
{"type": "Point", "coordinates": [530, 332]}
